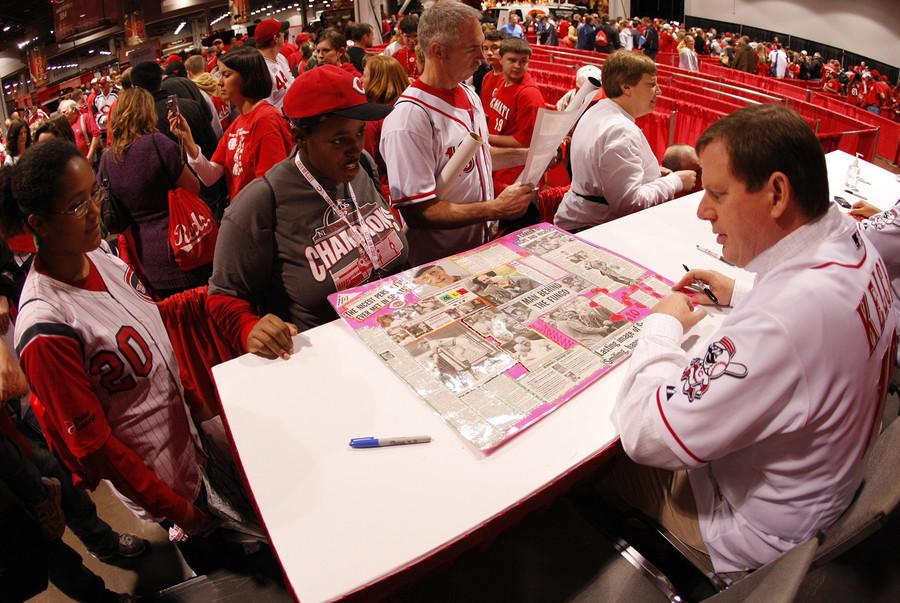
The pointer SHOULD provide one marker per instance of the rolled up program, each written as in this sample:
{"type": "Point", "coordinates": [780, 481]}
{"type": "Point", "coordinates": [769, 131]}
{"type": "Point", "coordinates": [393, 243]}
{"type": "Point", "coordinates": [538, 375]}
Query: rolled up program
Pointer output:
{"type": "Point", "coordinates": [464, 153]}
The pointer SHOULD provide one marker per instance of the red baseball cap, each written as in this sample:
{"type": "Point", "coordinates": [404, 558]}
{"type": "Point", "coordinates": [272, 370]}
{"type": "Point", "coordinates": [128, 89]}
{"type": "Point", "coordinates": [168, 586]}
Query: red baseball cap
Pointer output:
{"type": "Point", "coordinates": [327, 89]}
{"type": "Point", "coordinates": [267, 29]}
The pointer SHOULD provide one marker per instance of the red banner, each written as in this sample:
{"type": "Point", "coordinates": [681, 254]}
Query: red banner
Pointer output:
{"type": "Point", "coordinates": [37, 66]}
{"type": "Point", "coordinates": [135, 29]}
{"type": "Point", "coordinates": [240, 11]}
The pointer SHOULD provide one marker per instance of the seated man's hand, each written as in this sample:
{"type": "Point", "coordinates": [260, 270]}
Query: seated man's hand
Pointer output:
{"type": "Point", "coordinates": [864, 209]}
{"type": "Point", "coordinates": [688, 179]}
{"type": "Point", "coordinates": [721, 285]}
{"type": "Point", "coordinates": [680, 306]}
{"type": "Point", "coordinates": [664, 170]}
{"type": "Point", "coordinates": [513, 201]}
{"type": "Point", "coordinates": [271, 338]}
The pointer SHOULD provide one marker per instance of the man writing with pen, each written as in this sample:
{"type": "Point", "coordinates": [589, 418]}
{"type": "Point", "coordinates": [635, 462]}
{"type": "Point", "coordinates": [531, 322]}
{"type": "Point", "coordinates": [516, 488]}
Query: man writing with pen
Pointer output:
{"type": "Point", "coordinates": [751, 447]}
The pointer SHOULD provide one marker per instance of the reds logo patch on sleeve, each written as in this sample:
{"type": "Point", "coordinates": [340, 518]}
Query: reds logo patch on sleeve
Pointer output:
{"type": "Point", "coordinates": [717, 361]}
{"type": "Point", "coordinates": [135, 283]}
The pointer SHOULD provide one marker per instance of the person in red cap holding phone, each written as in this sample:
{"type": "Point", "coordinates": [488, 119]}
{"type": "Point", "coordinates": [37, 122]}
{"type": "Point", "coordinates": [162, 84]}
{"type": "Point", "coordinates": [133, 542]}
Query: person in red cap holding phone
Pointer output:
{"type": "Point", "coordinates": [314, 224]}
{"type": "Point", "coordinates": [270, 40]}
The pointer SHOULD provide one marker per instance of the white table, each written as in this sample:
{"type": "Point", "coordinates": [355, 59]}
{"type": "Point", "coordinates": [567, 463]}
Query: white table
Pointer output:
{"type": "Point", "coordinates": [878, 186]}
{"type": "Point", "coordinates": [341, 519]}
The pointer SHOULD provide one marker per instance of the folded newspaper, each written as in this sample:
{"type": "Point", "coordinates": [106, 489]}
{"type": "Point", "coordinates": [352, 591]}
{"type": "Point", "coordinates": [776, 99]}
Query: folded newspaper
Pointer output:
{"type": "Point", "coordinates": [498, 337]}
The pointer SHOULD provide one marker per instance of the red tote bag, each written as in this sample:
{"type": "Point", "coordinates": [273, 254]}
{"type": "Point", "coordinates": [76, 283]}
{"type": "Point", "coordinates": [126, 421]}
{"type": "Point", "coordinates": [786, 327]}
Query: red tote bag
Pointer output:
{"type": "Point", "coordinates": [192, 230]}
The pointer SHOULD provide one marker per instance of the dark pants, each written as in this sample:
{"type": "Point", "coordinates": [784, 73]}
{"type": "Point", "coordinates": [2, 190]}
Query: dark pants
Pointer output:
{"type": "Point", "coordinates": [27, 560]}
{"type": "Point", "coordinates": [81, 513]}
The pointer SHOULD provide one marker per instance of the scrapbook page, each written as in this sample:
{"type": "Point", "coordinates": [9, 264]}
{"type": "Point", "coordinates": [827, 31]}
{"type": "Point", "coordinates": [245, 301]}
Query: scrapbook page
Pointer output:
{"type": "Point", "coordinates": [496, 338]}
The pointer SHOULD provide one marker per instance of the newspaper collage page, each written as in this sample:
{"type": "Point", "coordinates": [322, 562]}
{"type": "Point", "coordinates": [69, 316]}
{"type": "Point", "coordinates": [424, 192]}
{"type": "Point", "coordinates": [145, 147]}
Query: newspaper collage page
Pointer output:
{"type": "Point", "coordinates": [498, 337]}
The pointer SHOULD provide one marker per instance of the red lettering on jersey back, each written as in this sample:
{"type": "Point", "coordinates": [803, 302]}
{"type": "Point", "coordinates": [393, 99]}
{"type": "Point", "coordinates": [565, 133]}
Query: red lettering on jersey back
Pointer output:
{"type": "Point", "coordinates": [280, 81]}
{"type": "Point", "coordinates": [875, 297]}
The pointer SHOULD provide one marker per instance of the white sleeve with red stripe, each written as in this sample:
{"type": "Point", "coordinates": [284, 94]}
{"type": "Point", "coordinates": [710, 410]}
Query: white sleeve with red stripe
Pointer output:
{"type": "Point", "coordinates": [407, 146]}
{"type": "Point", "coordinates": [702, 409]}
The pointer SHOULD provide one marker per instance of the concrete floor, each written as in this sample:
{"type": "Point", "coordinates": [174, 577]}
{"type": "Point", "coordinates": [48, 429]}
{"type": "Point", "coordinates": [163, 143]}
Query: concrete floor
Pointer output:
{"type": "Point", "coordinates": [162, 567]}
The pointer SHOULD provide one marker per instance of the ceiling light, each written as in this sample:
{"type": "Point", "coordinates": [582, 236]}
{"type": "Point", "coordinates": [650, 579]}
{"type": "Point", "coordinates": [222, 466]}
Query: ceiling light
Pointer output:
{"type": "Point", "coordinates": [180, 27]}
{"type": "Point", "coordinates": [8, 27]}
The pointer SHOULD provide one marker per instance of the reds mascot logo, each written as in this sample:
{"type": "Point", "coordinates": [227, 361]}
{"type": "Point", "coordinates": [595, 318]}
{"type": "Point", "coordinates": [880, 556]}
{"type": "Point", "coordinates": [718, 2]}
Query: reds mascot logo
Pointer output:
{"type": "Point", "coordinates": [714, 364]}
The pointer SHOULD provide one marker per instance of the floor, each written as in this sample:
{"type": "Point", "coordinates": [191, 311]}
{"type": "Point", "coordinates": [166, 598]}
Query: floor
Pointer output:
{"type": "Point", "coordinates": [148, 574]}
{"type": "Point", "coordinates": [571, 558]}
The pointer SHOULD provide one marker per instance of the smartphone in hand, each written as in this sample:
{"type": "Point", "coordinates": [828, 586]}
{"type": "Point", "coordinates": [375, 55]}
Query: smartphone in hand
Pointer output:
{"type": "Point", "coordinates": [172, 105]}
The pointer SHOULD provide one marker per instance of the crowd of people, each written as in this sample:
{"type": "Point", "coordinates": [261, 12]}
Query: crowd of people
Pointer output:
{"type": "Point", "coordinates": [858, 84]}
{"type": "Point", "coordinates": [321, 164]}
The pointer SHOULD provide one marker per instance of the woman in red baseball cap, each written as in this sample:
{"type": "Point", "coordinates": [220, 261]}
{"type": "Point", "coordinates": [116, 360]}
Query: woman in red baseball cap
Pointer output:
{"type": "Point", "coordinates": [314, 224]}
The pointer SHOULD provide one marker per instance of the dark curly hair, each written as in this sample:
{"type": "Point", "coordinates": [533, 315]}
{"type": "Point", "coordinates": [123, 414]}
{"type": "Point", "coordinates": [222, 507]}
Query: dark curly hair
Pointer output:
{"type": "Point", "coordinates": [32, 185]}
{"type": "Point", "coordinates": [12, 137]}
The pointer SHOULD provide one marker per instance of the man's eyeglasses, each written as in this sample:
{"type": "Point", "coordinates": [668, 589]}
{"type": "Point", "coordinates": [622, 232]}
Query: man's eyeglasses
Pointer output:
{"type": "Point", "coordinates": [81, 210]}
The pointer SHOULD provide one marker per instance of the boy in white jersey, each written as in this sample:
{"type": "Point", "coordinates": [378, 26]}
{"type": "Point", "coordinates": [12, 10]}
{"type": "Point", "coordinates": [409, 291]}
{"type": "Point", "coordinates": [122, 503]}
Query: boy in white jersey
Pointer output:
{"type": "Point", "coordinates": [760, 440]}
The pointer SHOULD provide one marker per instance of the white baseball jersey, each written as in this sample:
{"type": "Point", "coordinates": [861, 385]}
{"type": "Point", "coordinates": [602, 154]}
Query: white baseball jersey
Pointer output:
{"type": "Point", "coordinates": [417, 140]}
{"type": "Point", "coordinates": [612, 159]}
{"type": "Point", "coordinates": [281, 79]}
{"type": "Point", "coordinates": [774, 419]}
{"type": "Point", "coordinates": [130, 363]}
{"type": "Point", "coordinates": [884, 231]}
{"type": "Point", "coordinates": [102, 105]}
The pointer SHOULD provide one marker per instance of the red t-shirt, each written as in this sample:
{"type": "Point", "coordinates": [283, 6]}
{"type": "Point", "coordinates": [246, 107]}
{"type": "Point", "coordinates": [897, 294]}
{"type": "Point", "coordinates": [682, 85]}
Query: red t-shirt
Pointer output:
{"type": "Point", "coordinates": [295, 58]}
{"type": "Point", "coordinates": [407, 58]}
{"type": "Point", "coordinates": [351, 69]}
{"type": "Point", "coordinates": [288, 49]}
{"type": "Point", "coordinates": [666, 42]}
{"type": "Point", "coordinates": [511, 111]}
{"type": "Point", "coordinates": [212, 63]}
{"type": "Point", "coordinates": [251, 145]}
{"type": "Point", "coordinates": [373, 138]}
{"type": "Point", "coordinates": [85, 129]}
{"type": "Point", "coordinates": [488, 83]}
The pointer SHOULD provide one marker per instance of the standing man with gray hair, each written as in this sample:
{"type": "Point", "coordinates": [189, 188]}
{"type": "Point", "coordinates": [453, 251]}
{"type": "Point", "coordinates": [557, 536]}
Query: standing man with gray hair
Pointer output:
{"type": "Point", "coordinates": [429, 122]}
{"type": "Point", "coordinates": [87, 134]}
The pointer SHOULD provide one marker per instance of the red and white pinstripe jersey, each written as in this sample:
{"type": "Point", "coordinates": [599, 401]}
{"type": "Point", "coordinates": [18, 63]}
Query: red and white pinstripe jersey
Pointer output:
{"type": "Point", "coordinates": [131, 366]}
{"type": "Point", "coordinates": [418, 138]}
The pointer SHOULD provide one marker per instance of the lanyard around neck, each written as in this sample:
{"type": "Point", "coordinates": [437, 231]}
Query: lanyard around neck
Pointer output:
{"type": "Point", "coordinates": [360, 233]}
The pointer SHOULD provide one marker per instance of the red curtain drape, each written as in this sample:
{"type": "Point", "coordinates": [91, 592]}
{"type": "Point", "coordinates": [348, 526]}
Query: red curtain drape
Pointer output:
{"type": "Point", "coordinates": [656, 128]}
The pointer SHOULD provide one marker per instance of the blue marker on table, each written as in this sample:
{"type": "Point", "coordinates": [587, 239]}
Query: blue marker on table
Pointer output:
{"type": "Point", "coordinates": [373, 442]}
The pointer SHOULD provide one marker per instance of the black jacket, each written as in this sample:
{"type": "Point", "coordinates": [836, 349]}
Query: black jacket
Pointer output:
{"type": "Point", "coordinates": [651, 39]}
{"type": "Point", "coordinates": [201, 128]}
